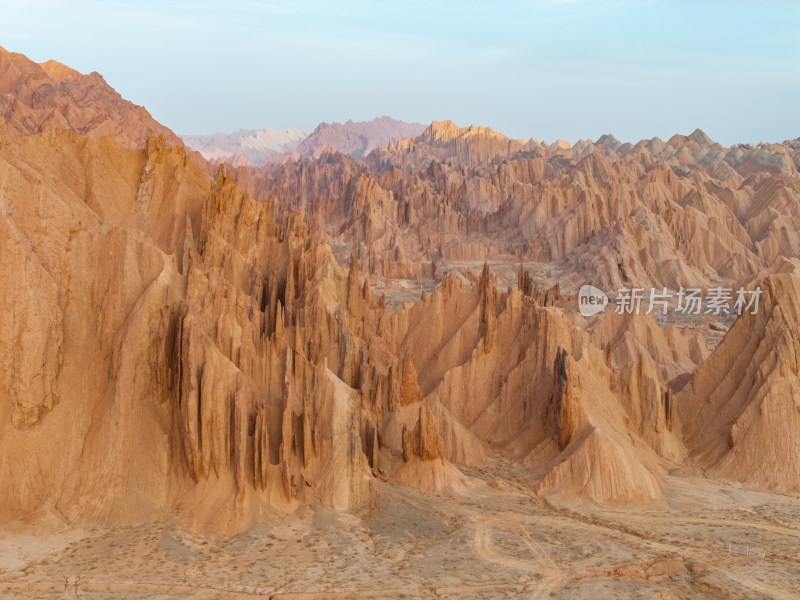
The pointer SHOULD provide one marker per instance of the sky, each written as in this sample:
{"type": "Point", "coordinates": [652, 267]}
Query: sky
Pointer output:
{"type": "Point", "coordinates": [549, 69]}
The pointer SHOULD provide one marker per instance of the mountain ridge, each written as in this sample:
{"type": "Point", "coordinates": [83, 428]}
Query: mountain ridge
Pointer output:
{"type": "Point", "coordinates": [40, 97]}
{"type": "Point", "coordinates": [218, 349]}
{"type": "Point", "coordinates": [355, 138]}
{"type": "Point", "coordinates": [261, 146]}
{"type": "Point", "coordinates": [256, 145]}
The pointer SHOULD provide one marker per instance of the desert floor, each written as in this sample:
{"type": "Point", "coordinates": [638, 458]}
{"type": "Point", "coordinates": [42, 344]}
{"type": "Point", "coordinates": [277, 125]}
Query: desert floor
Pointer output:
{"type": "Point", "coordinates": [712, 541]}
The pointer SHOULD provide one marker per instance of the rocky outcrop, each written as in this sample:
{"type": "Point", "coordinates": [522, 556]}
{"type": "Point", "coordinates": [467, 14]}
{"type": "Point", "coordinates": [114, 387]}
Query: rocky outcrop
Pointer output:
{"type": "Point", "coordinates": [424, 440]}
{"type": "Point", "coordinates": [627, 339]}
{"type": "Point", "coordinates": [444, 141]}
{"type": "Point", "coordinates": [40, 97]}
{"type": "Point", "coordinates": [171, 345]}
{"type": "Point", "coordinates": [259, 371]}
{"type": "Point", "coordinates": [260, 342]}
{"type": "Point", "coordinates": [356, 139]}
{"type": "Point", "coordinates": [250, 366]}
{"type": "Point", "coordinates": [680, 213]}
{"type": "Point", "coordinates": [506, 372]}
{"type": "Point", "coordinates": [740, 408]}
{"type": "Point", "coordinates": [89, 322]}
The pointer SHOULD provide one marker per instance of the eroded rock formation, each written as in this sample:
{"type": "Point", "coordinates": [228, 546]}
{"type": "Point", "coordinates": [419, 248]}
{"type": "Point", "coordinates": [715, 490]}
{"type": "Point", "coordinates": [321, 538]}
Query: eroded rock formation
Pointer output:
{"type": "Point", "coordinates": [40, 97]}
{"type": "Point", "coordinates": [686, 212]}
{"type": "Point", "coordinates": [742, 405]}
{"type": "Point", "coordinates": [173, 345]}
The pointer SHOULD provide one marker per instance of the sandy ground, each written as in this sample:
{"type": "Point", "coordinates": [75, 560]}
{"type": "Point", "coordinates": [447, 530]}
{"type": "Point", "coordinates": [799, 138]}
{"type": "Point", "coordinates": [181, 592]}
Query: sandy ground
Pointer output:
{"type": "Point", "coordinates": [714, 541]}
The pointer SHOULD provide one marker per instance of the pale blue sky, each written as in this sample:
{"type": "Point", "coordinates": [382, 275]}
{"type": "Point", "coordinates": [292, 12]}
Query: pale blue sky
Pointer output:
{"type": "Point", "coordinates": [529, 68]}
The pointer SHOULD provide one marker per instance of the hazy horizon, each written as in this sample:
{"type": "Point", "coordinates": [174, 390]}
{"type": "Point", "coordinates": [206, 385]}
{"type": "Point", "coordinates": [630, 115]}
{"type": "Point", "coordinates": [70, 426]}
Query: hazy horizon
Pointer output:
{"type": "Point", "coordinates": [549, 69]}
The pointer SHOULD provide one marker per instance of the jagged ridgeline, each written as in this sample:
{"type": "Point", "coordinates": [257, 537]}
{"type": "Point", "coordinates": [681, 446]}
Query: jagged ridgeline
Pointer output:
{"type": "Point", "coordinates": [199, 355]}
{"type": "Point", "coordinates": [179, 342]}
{"type": "Point", "coordinates": [682, 212]}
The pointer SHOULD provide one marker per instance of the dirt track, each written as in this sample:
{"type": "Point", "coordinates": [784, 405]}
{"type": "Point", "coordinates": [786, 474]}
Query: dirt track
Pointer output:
{"type": "Point", "coordinates": [491, 544]}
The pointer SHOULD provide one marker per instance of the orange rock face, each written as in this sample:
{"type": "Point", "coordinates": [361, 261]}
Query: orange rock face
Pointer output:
{"type": "Point", "coordinates": [742, 405]}
{"type": "Point", "coordinates": [173, 343]}
{"type": "Point", "coordinates": [40, 97]}
{"type": "Point", "coordinates": [687, 212]}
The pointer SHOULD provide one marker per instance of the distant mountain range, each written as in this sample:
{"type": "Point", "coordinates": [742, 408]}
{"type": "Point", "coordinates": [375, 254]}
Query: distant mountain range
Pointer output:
{"type": "Point", "coordinates": [259, 146]}
{"type": "Point", "coordinates": [357, 138]}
